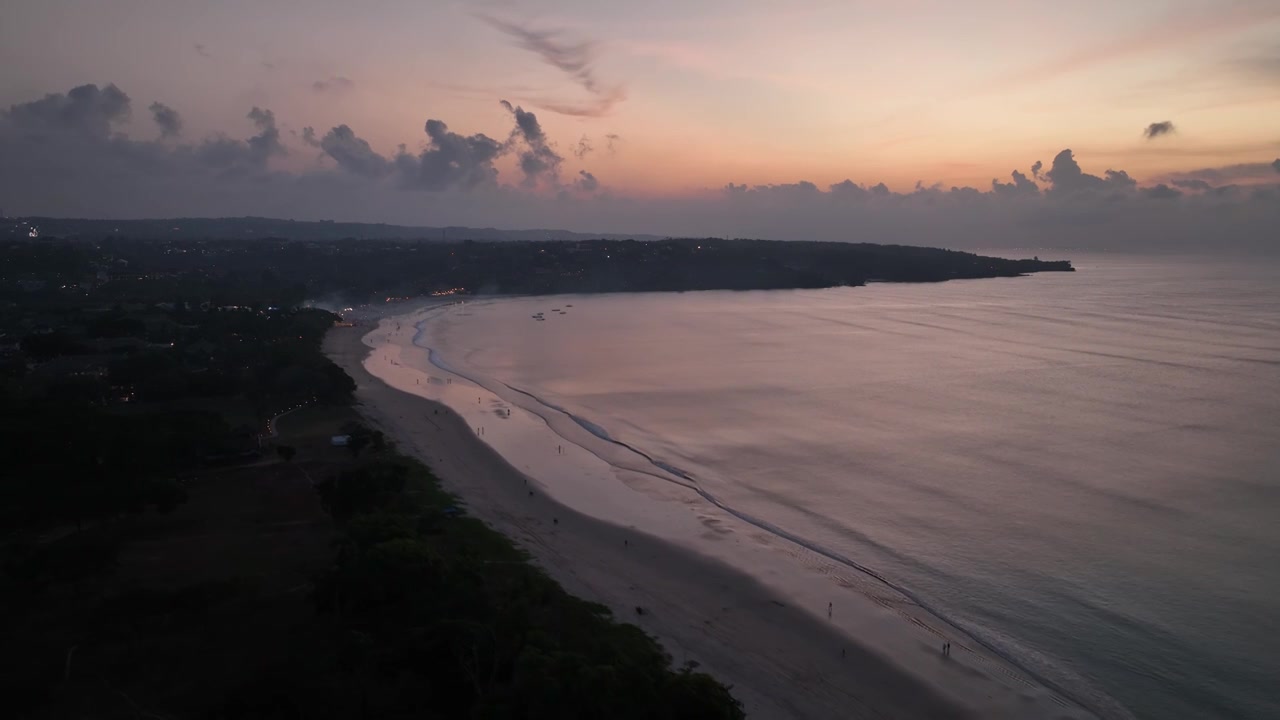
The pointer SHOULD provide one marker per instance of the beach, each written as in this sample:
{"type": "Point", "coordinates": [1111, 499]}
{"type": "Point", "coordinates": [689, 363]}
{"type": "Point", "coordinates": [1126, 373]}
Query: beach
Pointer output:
{"type": "Point", "coordinates": [784, 659]}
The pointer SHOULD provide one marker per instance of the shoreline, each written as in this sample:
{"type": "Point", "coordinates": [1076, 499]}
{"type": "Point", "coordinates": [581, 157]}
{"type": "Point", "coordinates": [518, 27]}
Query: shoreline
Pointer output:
{"type": "Point", "coordinates": [783, 660]}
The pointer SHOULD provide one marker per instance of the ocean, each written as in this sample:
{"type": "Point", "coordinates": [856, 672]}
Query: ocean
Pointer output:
{"type": "Point", "coordinates": [1081, 470]}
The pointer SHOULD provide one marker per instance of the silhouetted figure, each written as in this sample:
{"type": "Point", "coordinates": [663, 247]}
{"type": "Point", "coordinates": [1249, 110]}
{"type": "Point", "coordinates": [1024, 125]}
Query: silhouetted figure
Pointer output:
{"type": "Point", "coordinates": [828, 611]}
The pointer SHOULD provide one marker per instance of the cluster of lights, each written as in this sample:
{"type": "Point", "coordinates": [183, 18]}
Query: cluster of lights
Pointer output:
{"type": "Point", "coordinates": [295, 407]}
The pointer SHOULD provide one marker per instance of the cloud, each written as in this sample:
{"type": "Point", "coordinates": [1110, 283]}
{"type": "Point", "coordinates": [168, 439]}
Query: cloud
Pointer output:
{"type": "Point", "coordinates": [86, 109]}
{"type": "Point", "coordinates": [575, 59]}
{"type": "Point", "coordinates": [231, 155]}
{"type": "Point", "coordinates": [352, 153]}
{"type": "Point", "coordinates": [1021, 185]}
{"type": "Point", "coordinates": [335, 84]}
{"type": "Point", "coordinates": [1156, 129]}
{"type": "Point", "coordinates": [450, 161]}
{"type": "Point", "coordinates": [168, 119]}
{"type": "Point", "coordinates": [583, 148]}
{"type": "Point", "coordinates": [68, 154]}
{"type": "Point", "coordinates": [847, 189]}
{"type": "Point", "coordinates": [1161, 192]}
{"type": "Point", "coordinates": [1174, 29]}
{"type": "Point", "coordinates": [1246, 172]}
{"type": "Point", "coordinates": [587, 182]}
{"type": "Point", "coordinates": [612, 140]}
{"type": "Point", "coordinates": [538, 161]}
{"type": "Point", "coordinates": [1067, 177]}
{"type": "Point", "coordinates": [202, 51]}
{"type": "Point", "coordinates": [267, 142]}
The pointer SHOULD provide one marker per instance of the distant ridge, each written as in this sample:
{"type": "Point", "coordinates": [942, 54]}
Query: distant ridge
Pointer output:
{"type": "Point", "coordinates": [257, 227]}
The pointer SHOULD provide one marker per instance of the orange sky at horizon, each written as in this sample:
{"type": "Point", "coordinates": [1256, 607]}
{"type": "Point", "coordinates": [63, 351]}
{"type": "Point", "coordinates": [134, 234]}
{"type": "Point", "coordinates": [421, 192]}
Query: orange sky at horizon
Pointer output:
{"type": "Point", "coordinates": [720, 92]}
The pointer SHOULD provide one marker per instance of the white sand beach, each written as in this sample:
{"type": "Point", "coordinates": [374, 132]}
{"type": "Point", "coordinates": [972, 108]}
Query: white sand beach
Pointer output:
{"type": "Point", "coordinates": [754, 614]}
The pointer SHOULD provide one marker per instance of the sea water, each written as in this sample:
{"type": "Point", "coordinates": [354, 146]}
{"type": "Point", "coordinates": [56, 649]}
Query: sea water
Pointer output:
{"type": "Point", "coordinates": [1081, 470]}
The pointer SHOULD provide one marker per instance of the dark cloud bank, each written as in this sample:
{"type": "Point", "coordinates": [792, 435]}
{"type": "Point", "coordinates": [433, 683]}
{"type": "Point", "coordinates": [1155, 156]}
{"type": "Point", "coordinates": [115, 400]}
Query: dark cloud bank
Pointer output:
{"type": "Point", "coordinates": [65, 155]}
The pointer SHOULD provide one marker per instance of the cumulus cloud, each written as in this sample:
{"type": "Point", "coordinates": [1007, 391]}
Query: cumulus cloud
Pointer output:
{"type": "Point", "coordinates": [335, 84]}
{"type": "Point", "coordinates": [450, 160]}
{"type": "Point", "coordinates": [250, 155]}
{"type": "Point", "coordinates": [1156, 129]}
{"type": "Point", "coordinates": [67, 154]}
{"type": "Point", "coordinates": [1067, 177]}
{"type": "Point", "coordinates": [1161, 192]}
{"type": "Point", "coordinates": [84, 109]}
{"type": "Point", "coordinates": [167, 119]}
{"type": "Point", "coordinates": [538, 160]}
{"type": "Point", "coordinates": [587, 182]}
{"type": "Point", "coordinates": [352, 153]}
{"type": "Point", "coordinates": [1021, 185]}
{"type": "Point", "coordinates": [575, 59]}
{"type": "Point", "coordinates": [847, 190]}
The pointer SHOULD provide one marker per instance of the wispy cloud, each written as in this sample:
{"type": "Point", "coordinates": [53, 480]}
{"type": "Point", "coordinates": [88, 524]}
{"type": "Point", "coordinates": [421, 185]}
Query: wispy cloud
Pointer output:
{"type": "Point", "coordinates": [576, 59]}
{"type": "Point", "coordinates": [1244, 173]}
{"type": "Point", "coordinates": [202, 51]}
{"type": "Point", "coordinates": [1162, 34]}
{"type": "Point", "coordinates": [1156, 129]}
{"type": "Point", "coordinates": [337, 83]}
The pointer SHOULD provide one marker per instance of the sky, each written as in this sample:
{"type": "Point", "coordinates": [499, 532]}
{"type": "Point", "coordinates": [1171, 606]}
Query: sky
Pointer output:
{"type": "Point", "coordinates": [1153, 121]}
